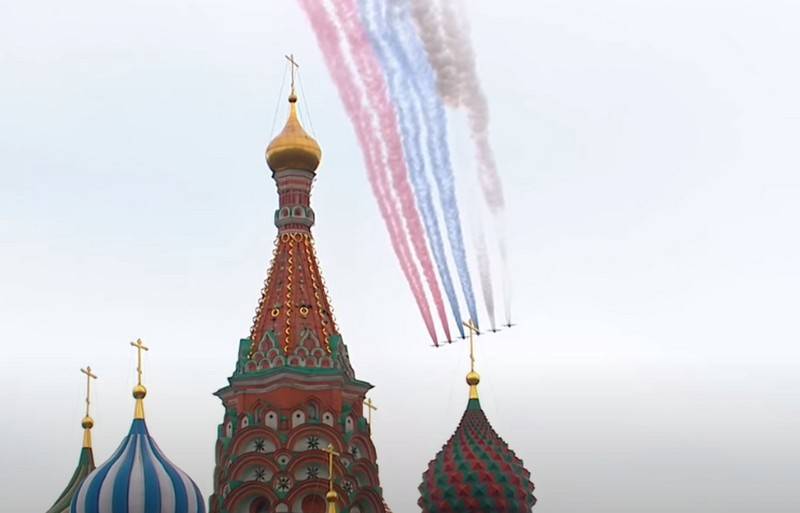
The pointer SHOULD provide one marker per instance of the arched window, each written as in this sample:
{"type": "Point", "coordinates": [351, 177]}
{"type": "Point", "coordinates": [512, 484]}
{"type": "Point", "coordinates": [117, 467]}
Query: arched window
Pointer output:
{"type": "Point", "coordinates": [313, 504]}
{"type": "Point", "coordinates": [260, 505]}
{"type": "Point", "coordinates": [313, 411]}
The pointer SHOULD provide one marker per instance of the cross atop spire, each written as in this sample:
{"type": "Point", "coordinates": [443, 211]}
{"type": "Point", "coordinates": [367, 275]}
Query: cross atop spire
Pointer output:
{"type": "Point", "coordinates": [295, 66]}
{"type": "Point", "coordinates": [139, 348]}
{"type": "Point", "coordinates": [88, 423]}
{"type": "Point", "coordinates": [473, 378]}
{"type": "Point", "coordinates": [370, 408]}
{"type": "Point", "coordinates": [139, 391]}
{"type": "Point", "coordinates": [89, 377]}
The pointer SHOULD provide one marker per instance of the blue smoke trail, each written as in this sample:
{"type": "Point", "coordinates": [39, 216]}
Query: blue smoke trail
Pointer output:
{"type": "Point", "coordinates": [408, 118]}
{"type": "Point", "coordinates": [407, 45]}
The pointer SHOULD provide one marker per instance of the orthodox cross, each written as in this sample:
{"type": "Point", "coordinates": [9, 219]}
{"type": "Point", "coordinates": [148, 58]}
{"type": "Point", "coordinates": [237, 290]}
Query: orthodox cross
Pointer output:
{"type": "Point", "coordinates": [89, 378]}
{"type": "Point", "coordinates": [331, 454]}
{"type": "Point", "coordinates": [473, 330]}
{"type": "Point", "coordinates": [295, 66]}
{"type": "Point", "coordinates": [370, 408]}
{"type": "Point", "coordinates": [139, 348]}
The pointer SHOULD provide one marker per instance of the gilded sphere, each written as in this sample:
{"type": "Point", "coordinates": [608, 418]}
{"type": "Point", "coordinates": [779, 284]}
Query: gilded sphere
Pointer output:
{"type": "Point", "coordinates": [87, 422]}
{"type": "Point", "coordinates": [293, 148]}
{"type": "Point", "coordinates": [332, 496]}
{"type": "Point", "coordinates": [139, 392]}
{"type": "Point", "coordinates": [473, 378]}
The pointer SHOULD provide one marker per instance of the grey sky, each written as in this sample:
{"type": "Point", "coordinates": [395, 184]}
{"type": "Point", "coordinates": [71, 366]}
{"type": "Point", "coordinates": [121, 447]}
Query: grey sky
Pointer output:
{"type": "Point", "coordinates": [649, 153]}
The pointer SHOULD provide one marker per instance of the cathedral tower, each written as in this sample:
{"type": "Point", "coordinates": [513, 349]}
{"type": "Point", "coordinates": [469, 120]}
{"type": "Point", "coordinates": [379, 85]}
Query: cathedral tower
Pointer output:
{"type": "Point", "coordinates": [293, 399]}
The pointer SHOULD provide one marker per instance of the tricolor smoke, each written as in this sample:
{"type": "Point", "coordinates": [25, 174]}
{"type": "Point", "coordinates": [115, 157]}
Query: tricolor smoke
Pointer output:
{"type": "Point", "coordinates": [412, 85]}
{"type": "Point", "coordinates": [396, 64]}
{"type": "Point", "coordinates": [351, 95]}
{"type": "Point", "coordinates": [445, 33]}
{"type": "Point", "coordinates": [380, 133]}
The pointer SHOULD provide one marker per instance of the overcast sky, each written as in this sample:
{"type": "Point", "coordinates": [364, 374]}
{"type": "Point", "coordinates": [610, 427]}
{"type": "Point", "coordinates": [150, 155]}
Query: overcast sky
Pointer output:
{"type": "Point", "coordinates": [649, 151]}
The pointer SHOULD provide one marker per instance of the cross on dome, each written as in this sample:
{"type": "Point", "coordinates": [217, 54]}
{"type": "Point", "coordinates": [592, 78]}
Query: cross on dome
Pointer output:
{"type": "Point", "coordinates": [88, 423]}
{"type": "Point", "coordinates": [473, 378]}
{"type": "Point", "coordinates": [139, 391]}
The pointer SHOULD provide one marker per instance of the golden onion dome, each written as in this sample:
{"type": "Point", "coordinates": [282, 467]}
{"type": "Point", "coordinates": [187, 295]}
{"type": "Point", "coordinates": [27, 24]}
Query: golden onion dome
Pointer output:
{"type": "Point", "coordinates": [293, 148]}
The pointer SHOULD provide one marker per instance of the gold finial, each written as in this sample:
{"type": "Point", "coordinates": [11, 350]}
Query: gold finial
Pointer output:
{"type": "Point", "coordinates": [88, 423]}
{"type": "Point", "coordinates": [332, 496]}
{"type": "Point", "coordinates": [473, 378]}
{"type": "Point", "coordinates": [370, 408]}
{"type": "Point", "coordinates": [295, 66]}
{"type": "Point", "coordinates": [139, 391]}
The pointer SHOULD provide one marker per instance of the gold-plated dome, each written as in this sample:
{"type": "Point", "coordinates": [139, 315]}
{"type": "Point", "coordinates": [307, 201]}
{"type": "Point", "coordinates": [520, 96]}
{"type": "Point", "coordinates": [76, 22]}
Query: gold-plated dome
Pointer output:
{"type": "Point", "coordinates": [293, 148]}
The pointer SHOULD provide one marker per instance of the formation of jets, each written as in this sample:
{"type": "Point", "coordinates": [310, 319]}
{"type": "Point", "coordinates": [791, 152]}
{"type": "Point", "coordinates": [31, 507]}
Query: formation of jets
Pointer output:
{"type": "Point", "coordinates": [509, 324]}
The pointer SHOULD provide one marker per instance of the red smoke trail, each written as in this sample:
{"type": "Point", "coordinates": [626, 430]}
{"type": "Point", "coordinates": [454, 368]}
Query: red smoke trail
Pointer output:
{"type": "Point", "coordinates": [329, 42]}
{"type": "Point", "coordinates": [372, 74]}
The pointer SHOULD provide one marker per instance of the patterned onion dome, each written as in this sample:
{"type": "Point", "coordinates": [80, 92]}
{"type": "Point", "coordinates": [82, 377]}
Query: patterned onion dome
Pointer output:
{"type": "Point", "coordinates": [476, 472]}
{"type": "Point", "coordinates": [138, 478]}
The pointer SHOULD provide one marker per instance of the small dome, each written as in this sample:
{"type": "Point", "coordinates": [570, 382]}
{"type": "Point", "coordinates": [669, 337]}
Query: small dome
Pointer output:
{"type": "Point", "coordinates": [85, 467]}
{"type": "Point", "coordinates": [293, 148]}
{"type": "Point", "coordinates": [138, 478]}
{"type": "Point", "coordinates": [476, 472]}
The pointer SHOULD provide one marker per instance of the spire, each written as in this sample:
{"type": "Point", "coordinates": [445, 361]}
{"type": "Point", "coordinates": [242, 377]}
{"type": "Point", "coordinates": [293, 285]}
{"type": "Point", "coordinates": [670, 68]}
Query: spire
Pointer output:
{"type": "Point", "coordinates": [88, 422]}
{"type": "Point", "coordinates": [294, 318]}
{"type": "Point", "coordinates": [86, 458]}
{"type": "Point", "coordinates": [139, 391]}
{"type": "Point", "coordinates": [293, 376]}
{"type": "Point", "coordinates": [473, 378]}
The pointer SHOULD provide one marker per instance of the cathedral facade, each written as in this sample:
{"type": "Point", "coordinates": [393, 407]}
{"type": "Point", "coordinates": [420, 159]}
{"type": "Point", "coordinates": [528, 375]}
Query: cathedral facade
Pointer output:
{"type": "Point", "coordinates": [293, 436]}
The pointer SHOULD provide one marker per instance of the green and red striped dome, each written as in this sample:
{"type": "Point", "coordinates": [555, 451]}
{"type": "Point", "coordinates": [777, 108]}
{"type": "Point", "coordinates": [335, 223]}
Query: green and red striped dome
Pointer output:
{"type": "Point", "coordinates": [476, 472]}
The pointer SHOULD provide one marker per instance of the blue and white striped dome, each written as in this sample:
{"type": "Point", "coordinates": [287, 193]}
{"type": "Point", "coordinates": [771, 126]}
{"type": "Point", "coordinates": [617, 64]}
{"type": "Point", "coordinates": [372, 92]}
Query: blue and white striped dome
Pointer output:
{"type": "Point", "coordinates": [138, 478]}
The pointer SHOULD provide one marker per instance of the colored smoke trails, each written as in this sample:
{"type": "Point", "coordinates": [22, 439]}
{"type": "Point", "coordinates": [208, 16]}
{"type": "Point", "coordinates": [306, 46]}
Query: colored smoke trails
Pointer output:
{"type": "Point", "coordinates": [410, 46]}
{"type": "Point", "coordinates": [445, 34]}
{"type": "Point", "coordinates": [329, 42]}
{"type": "Point", "coordinates": [370, 72]}
{"type": "Point", "coordinates": [406, 96]}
